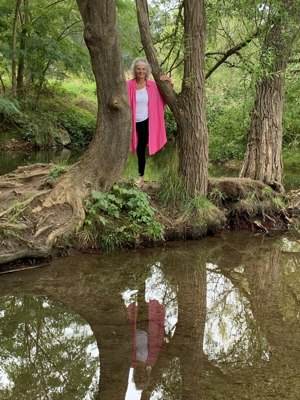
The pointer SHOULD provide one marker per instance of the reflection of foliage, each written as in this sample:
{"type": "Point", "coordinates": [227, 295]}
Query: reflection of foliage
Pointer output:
{"type": "Point", "coordinates": [46, 352]}
{"type": "Point", "coordinates": [232, 335]}
{"type": "Point", "coordinates": [289, 296]}
{"type": "Point", "coordinates": [169, 385]}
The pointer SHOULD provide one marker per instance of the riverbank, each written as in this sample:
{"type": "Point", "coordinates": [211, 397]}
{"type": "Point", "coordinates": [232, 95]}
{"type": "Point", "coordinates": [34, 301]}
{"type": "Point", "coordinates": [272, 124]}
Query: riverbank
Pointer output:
{"type": "Point", "coordinates": [232, 203]}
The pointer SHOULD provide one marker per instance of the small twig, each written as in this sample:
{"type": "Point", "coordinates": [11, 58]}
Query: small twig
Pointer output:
{"type": "Point", "coordinates": [24, 268]}
{"type": "Point", "coordinates": [13, 226]}
{"type": "Point", "coordinates": [260, 226]}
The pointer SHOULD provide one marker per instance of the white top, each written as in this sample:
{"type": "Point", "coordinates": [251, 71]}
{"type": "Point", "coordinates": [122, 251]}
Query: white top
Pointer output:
{"type": "Point", "coordinates": [141, 345]}
{"type": "Point", "coordinates": [141, 105]}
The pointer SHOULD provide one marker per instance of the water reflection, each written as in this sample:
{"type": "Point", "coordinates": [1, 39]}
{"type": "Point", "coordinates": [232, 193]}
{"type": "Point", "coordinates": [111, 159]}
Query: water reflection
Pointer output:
{"type": "Point", "coordinates": [153, 312]}
{"type": "Point", "coordinates": [215, 319]}
{"type": "Point", "coordinates": [9, 161]}
{"type": "Point", "coordinates": [47, 352]}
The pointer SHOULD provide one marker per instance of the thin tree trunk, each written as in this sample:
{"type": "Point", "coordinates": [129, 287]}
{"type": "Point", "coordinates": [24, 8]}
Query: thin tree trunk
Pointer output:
{"type": "Point", "coordinates": [14, 46]}
{"type": "Point", "coordinates": [24, 16]}
{"type": "Point", "coordinates": [189, 106]}
{"type": "Point", "coordinates": [2, 84]}
{"type": "Point", "coordinates": [21, 63]}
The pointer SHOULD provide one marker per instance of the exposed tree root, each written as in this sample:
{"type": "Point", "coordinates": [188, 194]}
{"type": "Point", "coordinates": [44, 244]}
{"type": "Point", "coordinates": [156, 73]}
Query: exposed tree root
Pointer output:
{"type": "Point", "coordinates": [25, 253]}
{"type": "Point", "coordinates": [23, 204]}
{"type": "Point", "coordinates": [34, 218]}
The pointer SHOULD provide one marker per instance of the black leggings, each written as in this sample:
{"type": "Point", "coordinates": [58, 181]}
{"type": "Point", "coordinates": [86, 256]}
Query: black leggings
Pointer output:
{"type": "Point", "coordinates": [143, 136]}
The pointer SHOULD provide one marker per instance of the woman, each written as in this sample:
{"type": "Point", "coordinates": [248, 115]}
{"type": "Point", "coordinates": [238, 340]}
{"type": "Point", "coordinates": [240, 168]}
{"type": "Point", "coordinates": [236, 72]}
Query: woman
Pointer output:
{"type": "Point", "coordinates": [147, 112]}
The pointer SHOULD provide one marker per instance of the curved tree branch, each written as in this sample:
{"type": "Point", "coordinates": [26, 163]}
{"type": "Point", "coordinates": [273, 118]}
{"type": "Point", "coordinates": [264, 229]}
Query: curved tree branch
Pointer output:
{"type": "Point", "coordinates": [230, 52]}
{"type": "Point", "coordinates": [147, 42]}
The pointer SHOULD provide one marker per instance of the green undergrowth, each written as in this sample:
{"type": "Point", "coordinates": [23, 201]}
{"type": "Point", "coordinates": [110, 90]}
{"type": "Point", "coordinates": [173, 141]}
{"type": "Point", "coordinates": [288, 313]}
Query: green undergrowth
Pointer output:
{"type": "Point", "coordinates": [56, 172]}
{"type": "Point", "coordinates": [120, 218]}
{"type": "Point", "coordinates": [62, 110]}
{"type": "Point", "coordinates": [189, 209]}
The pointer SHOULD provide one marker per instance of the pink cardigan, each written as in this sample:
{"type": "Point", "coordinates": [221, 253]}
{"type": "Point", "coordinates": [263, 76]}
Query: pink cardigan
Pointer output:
{"type": "Point", "coordinates": [156, 108]}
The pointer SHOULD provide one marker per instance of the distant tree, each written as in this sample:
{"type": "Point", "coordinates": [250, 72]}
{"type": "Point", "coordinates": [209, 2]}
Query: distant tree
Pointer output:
{"type": "Point", "coordinates": [263, 158]}
{"type": "Point", "coordinates": [40, 41]}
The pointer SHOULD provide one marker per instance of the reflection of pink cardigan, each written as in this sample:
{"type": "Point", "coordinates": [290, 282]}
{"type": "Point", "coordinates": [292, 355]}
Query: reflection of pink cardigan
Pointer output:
{"type": "Point", "coordinates": [156, 107]}
{"type": "Point", "coordinates": [156, 330]}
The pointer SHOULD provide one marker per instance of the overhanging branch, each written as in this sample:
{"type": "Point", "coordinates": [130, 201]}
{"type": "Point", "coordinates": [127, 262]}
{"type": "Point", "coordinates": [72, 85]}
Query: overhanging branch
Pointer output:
{"type": "Point", "coordinates": [147, 42]}
{"type": "Point", "coordinates": [230, 52]}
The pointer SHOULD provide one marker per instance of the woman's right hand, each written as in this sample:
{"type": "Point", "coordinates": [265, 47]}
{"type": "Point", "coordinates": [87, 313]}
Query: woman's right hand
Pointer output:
{"type": "Point", "coordinates": [166, 78]}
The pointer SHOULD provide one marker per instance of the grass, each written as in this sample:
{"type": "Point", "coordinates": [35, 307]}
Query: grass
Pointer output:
{"type": "Point", "coordinates": [79, 88]}
{"type": "Point", "coordinates": [195, 209]}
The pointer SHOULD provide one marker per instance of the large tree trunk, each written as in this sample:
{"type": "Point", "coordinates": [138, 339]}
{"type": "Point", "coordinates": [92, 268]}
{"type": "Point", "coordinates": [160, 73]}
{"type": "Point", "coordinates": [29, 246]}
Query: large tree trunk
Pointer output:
{"type": "Point", "coordinates": [189, 106]}
{"type": "Point", "coordinates": [61, 212]}
{"type": "Point", "coordinates": [103, 163]}
{"type": "Point", "coordinates": [193, 136]}
{"type": "Point", "coordinates": [263, 158]}
{"type": "Point", "coordinates": [105, 159]}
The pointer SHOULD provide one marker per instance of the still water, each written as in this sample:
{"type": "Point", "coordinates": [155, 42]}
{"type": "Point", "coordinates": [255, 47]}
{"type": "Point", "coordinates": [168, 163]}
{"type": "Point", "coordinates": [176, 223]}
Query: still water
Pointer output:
{"type": "Point", "coordinates": [213, 319]}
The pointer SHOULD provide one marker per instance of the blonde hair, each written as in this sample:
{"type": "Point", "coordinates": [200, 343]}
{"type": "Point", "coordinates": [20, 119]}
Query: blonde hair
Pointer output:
{"type": "Point", "coordinates": [137, 61]}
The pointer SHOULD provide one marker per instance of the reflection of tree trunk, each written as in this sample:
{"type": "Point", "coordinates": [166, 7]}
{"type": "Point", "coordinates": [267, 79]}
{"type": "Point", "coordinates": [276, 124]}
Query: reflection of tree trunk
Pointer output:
{"type": "Point", "coordinates": [114, 343]}
{"type": "Point", "coordinates": [112, 331]}
{"type": "Point", "coordinates": [263, 278]}
{"type": "Point", "coordinates": [187, 342]}
{"type": "Point", "coordinates": [283, 336]}
{"type": "Point", "coordinates": [189, 334]}
{"type": "Point", "coordinates": [108, 320]}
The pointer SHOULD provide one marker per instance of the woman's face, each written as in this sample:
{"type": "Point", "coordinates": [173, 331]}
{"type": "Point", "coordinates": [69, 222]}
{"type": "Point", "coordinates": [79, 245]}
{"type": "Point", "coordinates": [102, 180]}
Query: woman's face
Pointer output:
{"type": "Point", "coordinates": [141, 71]}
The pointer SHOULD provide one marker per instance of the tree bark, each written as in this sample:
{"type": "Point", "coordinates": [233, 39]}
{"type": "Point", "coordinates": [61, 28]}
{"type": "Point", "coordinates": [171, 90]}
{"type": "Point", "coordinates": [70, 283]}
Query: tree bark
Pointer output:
{"type": "Point", "coordinates": [14, 46]}
{"type": "Point", "coordinates": [103, 162]}
{"type": "Point", "coordinates": [108, 151]}
{"type": "Point", "coordinates": [263, 158]}
{"type": "Point", "coordinates": [189, 106]}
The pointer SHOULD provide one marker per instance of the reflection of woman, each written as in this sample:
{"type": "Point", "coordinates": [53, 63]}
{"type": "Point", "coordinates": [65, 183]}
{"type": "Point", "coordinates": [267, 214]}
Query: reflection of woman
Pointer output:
{"type": "Point", "coordinates": [147, 112]}
{"type": "Point", "coordinates": [147, 340]}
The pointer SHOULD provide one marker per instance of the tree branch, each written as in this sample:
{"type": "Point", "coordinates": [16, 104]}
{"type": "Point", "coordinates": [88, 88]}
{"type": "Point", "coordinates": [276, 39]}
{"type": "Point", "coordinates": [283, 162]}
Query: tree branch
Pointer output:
{"type": "Point", "coordinates": [147, 42]}
{"type": "Point", "coordinates": [230, 52]}
{"type": "Point", "coordinates": [174, 34]}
